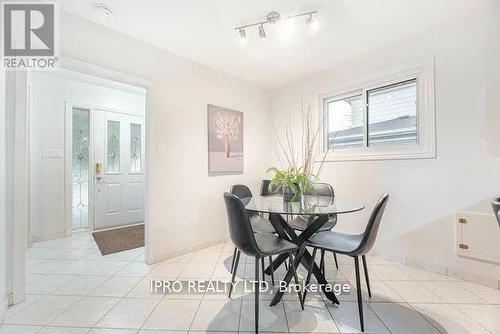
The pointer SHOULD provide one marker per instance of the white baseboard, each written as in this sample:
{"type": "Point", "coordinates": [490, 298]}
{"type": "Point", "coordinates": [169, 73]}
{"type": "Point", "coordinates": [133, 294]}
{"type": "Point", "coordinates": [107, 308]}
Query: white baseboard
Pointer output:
{"type": "Point", "coordinates": [46, 237]}
{"type": "Point", "coordinates": [189, 249]}
{"type": "Point", "coordinates": [439, 269]}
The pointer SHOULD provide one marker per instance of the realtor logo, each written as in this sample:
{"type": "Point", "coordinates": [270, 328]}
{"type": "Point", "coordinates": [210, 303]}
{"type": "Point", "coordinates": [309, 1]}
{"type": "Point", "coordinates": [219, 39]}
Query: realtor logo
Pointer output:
{"type": "Point", "coordinates": [29, 35]}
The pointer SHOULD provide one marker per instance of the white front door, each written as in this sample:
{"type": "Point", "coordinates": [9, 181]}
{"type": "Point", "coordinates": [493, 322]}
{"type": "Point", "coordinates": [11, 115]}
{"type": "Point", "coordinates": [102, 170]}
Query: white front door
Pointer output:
{"type": "Point", "coordinates": [118, 169]}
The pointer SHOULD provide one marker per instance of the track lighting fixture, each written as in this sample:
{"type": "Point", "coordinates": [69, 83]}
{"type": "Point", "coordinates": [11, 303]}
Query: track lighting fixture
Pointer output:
{"type": "Point", "coordinates": [312, 23]}
{"type": "Point", "coordinates": [243, 36]}
{"type": "Point", "coordinates": [274, 17]}
{"type": "Point", "coordinates": [262, 32]}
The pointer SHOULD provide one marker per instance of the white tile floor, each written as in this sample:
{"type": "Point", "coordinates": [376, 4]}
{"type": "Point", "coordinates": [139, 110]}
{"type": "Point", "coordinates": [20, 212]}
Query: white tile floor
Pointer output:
{"type": "Point", "coordinates": [73, 289]}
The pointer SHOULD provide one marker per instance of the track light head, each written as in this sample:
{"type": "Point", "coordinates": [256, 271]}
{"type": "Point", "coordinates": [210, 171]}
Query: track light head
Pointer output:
{"type": "Point", "coordinates": [243, 36]}
{"type": "Point", "coordinates": [103, 10]}
{"type": "Point", "coordinates": [262, 32]}
{"type": "Point", "coordinates": [312, 23]}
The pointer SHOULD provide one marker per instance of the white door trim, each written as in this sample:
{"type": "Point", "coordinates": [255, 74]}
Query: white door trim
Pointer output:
{"type": "Point", "coordinates": [18, 179]}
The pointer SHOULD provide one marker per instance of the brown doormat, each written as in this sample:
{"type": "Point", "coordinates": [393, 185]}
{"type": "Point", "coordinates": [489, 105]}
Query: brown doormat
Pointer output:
{"type": "Point", "coordinates": [119, 239]}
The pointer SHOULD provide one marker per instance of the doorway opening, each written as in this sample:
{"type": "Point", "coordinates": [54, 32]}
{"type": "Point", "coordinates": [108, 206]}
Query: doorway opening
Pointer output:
{"type": "Point", "coordinates": [55, 183]}
{"type": "Point", "coordinates": [97, 156]}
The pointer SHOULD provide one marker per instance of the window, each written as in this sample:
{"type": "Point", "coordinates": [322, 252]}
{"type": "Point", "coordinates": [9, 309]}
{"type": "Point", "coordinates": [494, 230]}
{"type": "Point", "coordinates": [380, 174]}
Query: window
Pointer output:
{"type": "Point", "coordinates": [135, 148]}
{"type": "Point", "coordinates": [392, 114]}
{"type": "Point", "coordinates": [345, 122]}
{"type": "Point", "coordinates": [113, 147]}
{"type": "Point", "coordinates": [387, 117]}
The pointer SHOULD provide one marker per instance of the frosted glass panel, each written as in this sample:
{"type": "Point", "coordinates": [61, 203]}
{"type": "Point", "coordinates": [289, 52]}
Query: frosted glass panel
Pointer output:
{"type": "Point", "coordinates": [80, 168]}
{"type": "Point", "coordinates": [135, 147]}
{"type": "Point", "coordinates": [113, 138]}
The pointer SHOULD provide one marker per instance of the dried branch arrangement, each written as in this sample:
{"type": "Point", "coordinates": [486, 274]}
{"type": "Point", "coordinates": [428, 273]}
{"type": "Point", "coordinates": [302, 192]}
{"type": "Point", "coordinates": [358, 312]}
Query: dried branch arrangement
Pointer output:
{"type": "Point", "coordinates": [299, 170]}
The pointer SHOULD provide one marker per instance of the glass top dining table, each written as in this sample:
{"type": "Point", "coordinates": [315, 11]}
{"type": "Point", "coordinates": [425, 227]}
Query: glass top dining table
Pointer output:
{"type": "Point", "coordinates": [308, 206]}
{"type": "Point", "coordinates": [318, 210]}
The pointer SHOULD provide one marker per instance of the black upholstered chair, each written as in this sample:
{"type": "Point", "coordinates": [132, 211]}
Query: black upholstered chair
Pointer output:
{"type": "Point", "coordinates": [259, 224]}
{"type": "Point", "coordinates": [258, 245]}
{"type": "Point", "coordinates": [496, 209]}
{"type": "Point", "coordinates": [351, 245]}
{"type": "Point", "coordinates": [300, 223]}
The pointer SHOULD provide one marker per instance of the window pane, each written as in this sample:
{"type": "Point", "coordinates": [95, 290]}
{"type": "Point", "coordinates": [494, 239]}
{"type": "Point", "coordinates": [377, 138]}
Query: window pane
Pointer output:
{"type": "Point", "coordinates": [392, 114]}
{"type": "Point", "coordinates": [80, 168]}
{"type": "Point", "coordinates": [113, 157]}
{"type": "Point", "coordinates": [345, 123]}
{"type": "Point", "coordinates": [135, 148]}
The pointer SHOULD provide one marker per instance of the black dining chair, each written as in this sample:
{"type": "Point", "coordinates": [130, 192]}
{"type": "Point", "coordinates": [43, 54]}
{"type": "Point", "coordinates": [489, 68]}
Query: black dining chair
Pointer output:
{"type": "Point", "coordinates": [259, 224]}
{"type": "Point", "coordinates": [257, 245]}
{"type": "Point", "coordinates": [496, 209]}
{"type": "Point", "coordinates": [265, 191]}
{"type": "Point", "coordinates": [299, 223]}
{"type": "Point", "coordinates": [351, 245]}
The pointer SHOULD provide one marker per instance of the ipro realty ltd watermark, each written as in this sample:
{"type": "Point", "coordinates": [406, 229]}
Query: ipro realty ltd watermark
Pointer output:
{"type": "Point", "coordinates": [30, 35]}
{"type": "Point", "coordinates": [218, 287]}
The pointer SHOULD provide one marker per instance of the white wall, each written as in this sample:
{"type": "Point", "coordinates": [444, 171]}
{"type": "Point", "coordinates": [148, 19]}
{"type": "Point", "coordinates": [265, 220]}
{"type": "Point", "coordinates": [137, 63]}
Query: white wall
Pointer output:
{"type": "Point", "coordinates": [50, 91]}
{"type": "Point", "coordinates": [3, 236]}
{"type": "Point", "coordinates": [185, 204]}
{"type": "Point", "coordinates": [418, 225]}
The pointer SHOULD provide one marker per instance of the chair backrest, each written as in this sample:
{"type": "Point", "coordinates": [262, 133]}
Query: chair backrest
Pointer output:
{"type": "Point", "coordinates": [242, 191]}
{"type": "Point", "coordinates": [264, 189]}
{"type": "Point", "coordinates": [496, 209]}
{"type": "Point", "coordinates": [321, 189]}
{"type": "Point", "coordinates": [240, 229]}
{"type": "Point", "coordinates": [371, 230]}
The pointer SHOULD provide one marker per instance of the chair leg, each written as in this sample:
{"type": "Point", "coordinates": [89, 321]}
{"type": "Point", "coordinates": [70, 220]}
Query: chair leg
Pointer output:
{"type": "Point", "coordinates": [272, 268]}
{"type": "Point", "coordinates": [309, 273]}
{"type": "Point", "coordinates": [263, 266]}
{"type": "Point", "coordinates": [336, 262]}
{"type": "Point", "coordinates": [235, 269]}
{"type": "Point", "coordinates": [360, 298]}
{"type": "Point", "coordinates": [294, 270]}
{"type": "Point", "coordinates": [257, 288]}
{"type": "Point", "coordinates": [322, 262]}
{"type": "Point", "coordinates": [366, 276]}
{"type": "Point", "coordinates": [234, 258]}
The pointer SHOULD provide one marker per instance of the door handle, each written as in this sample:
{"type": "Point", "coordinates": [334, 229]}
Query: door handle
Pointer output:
{"type": "Point", "coordinates": [98, 170]}
{"type": "Point", "coordinates": [98, 167]}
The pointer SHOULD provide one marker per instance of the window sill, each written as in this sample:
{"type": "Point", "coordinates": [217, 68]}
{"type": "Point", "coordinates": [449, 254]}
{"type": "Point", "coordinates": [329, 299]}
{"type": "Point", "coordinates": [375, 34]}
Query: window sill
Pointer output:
{"type": "Point", "coordinates": [371, 155]}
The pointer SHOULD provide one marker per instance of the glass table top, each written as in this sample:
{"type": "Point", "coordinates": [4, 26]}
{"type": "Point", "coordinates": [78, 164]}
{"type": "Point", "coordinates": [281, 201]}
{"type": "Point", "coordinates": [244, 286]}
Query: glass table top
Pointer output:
{"type": "Point", "coordinates": [310, 205]}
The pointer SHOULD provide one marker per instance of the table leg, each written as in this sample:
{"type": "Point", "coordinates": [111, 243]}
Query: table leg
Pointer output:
{"type": "Point", "coordinates": [304, 257]}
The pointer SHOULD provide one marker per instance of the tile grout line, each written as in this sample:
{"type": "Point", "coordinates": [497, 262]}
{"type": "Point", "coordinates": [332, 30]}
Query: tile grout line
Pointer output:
{"type": "Point", "coordinates": [203, 297]}
{"type": "Point", "coordinates": [474, 321]}
{"type": "Point", "coordinates": [161, 300]}
{"type": "Point", "coordinates": [88, 295]}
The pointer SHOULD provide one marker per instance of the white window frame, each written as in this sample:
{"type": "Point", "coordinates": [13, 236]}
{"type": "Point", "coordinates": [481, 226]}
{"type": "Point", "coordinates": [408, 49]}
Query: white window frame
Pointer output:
{"type": "Point", "coordinates": [423, 71]}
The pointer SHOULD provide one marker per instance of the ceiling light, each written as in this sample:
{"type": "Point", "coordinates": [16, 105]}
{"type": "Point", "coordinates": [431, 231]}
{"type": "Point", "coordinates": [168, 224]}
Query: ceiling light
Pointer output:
{"type": "Point", "coordinates": [262, 32]}
{"type": "Point", "coordinates": [312, 23]}
{"type": "Point", "coordinates": [103, 9]}
{"type": "Point", "coordinates": [275, 17]}
{"type": "Point", "coordinates": [243, 36]}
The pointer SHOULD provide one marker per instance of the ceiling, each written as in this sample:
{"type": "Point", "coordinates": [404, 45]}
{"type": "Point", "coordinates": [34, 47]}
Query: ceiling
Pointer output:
{"type": "Point", "coordinates": [202, 30]}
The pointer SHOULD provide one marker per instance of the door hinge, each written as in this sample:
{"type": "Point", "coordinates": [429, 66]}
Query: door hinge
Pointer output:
{"type": "Point", "coordinates": [463, 246]}
{"type": "Point", "coordinates": [462, 220]}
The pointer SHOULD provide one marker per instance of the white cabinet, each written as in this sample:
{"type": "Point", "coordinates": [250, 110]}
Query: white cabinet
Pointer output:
{"type": "Point", "coordinates": [477, 233]}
